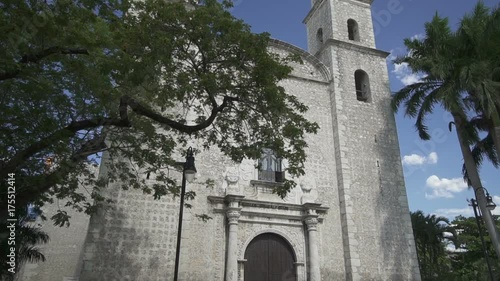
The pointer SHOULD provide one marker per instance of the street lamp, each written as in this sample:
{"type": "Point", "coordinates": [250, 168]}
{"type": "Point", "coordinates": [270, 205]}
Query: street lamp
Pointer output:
{"type": "Point", "coordinates": [188, 173]}
{"type": "Point", "coordinates": [490, 206]}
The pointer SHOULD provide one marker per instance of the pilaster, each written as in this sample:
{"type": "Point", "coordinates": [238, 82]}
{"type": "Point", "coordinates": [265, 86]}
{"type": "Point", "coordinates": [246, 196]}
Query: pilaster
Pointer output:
{"type": "Point", "coordinates": [311, 221]}
{"type": "Point", "coordinates": [233, 212]}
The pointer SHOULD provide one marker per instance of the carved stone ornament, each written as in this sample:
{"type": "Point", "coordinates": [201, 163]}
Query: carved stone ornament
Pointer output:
{"type": "Point", "coordinates": [231, 180]}
{"type": "Point", "coordinates": [233, 216]}
{"type": "Point", "coordinates": [311, 222]}
{"type": "Point", "coordinates": [247, 170]}
{"type": "Point", "coordinates": [232, 176]}
{"type": "Point", "coordinates": [309, 191]}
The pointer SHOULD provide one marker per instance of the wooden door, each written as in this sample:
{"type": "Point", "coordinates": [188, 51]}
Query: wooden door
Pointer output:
{"type": "Point", "coordinates": [269, 258]}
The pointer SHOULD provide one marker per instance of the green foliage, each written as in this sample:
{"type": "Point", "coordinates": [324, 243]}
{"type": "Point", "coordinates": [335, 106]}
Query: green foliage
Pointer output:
{"type": "Point", "coordinates": [467, 260]}
{"type": "Point", "coordinates": [28, 236]}
{"type": "Point", "coordinates": [460, 70]}
{"type": "Point", "coordinates": [469, 263]}
{"type": "Point", "coordinates": [83, 77]}
{"type": "Point", "coordinates": [85, 81]}
{"type": "Point", "coordinates": [430, 239]}
{"type": "Point", "coordinates": [460, 75]}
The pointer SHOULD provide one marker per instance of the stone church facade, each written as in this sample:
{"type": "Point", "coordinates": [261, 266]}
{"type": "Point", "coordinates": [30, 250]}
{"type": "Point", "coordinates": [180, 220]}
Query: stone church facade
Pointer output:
{"type": "Point", "coordinates": [347, 219]}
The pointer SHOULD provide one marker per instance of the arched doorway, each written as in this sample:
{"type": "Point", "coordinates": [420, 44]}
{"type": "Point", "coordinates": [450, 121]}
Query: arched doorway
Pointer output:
{"type": "Point", "coordinates": [269, 257]}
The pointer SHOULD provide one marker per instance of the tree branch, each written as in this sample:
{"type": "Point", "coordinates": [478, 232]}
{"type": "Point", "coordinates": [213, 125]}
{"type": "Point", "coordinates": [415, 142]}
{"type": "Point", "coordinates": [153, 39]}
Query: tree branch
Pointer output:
{"type": "Point", "coordinates": [127, 101]}
{"type": "Point", "coordinates": [35, 58]}
{"type": "Point", "coordinates": [45, 182]}
{"type": "Point", "coordinates": [64, 133]}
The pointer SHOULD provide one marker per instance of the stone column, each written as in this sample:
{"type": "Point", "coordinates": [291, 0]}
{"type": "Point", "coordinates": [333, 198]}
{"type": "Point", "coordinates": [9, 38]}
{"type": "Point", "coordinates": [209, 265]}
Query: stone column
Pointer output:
{"type": "Point", "coordinates": [233, 214]}
{"type": "Point", "coordinates": [314, 262]}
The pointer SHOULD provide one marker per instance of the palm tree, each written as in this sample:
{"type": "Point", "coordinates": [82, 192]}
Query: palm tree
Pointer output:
{"type": "Point", "coordinates": [452, 80]}
{"type": "Point", "coordinates": [479, 38]}
{"type": "Point", "coordinates": [28, 236]}
{"type": "Point", "coordinates": [431, 239]}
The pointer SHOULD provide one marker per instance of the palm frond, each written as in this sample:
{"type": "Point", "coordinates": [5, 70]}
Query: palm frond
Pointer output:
{"type": "Point", "coordinates": [485, 148]}
{"type": "Point", "coordinates": [426, 107]}
{"type": "Point", "coordinates": [31, 254]}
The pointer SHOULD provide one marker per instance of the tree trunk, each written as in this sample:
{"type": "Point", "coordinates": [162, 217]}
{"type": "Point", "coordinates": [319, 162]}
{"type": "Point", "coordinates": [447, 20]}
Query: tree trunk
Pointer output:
{"type": "Point", "coordinates": [475, 181]}
{"type": "Point", "coordinates": [496, 139]}
{"type": "Point", "coordinates": [496, 129]}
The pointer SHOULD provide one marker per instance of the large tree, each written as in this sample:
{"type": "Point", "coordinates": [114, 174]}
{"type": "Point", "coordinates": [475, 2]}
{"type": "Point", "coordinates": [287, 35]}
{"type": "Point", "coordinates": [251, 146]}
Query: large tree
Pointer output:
{"type": "Point", "coordinates": [452, 81]}
{"type": "Point", "coordinates": [432, 233]}
{"type": "Point", "coordinates": [83, 77]}
{"type": "Point", "coordinates": [468, 262]}
{"type": "Point", "coordinates": [452, 251]}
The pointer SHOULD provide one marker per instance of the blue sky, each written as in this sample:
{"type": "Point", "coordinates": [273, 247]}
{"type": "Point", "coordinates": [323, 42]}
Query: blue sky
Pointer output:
{"type": "Point", "coordinates": [432, 168]}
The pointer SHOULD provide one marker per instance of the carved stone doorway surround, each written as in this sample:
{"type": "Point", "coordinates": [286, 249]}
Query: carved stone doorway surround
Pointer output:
{"type": "Point", "coordinates": [257, 217]}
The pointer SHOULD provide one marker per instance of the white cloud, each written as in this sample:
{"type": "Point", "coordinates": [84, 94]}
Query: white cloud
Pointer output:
{"type": "Point", "coordinates": [467, 211]}
{"type": "Point", "coordinates": [444, 188]}
{"type": "Point", "coordinates": [419, 36]}
{"type": "Point", "coordinates": [392, 56]}
{"type": "Point", "coordinates": [416, 159]}
{"type": "Point", "coordinates": [452, 213]}
{"type": "Point", "coordinates": [404, 73]}
{"type": "Point", "coordinates": [410, 79]}
{"type": "Point", "coordinates": [413, 159]}
{"type": "Point", "coordinates": [451, 248]}
{"type": "Point", "coordinates": [447, 234]}
{"type": "Point", "coordinates": [432, 158]}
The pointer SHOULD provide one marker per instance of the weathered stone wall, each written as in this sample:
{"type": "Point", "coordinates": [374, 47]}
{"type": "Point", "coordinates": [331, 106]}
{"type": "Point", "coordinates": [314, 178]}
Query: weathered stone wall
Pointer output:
{"type": "Point", "coordinates": [135, 240]}
{"type": "Point", "coordinates": [378, 239]}
{"type": "Point", "coordinates": [332, 16]}
{"type": "Point", "coordinates": [353, 167]}
{"type": "Point", "coordinates": [319, 17]}
{"type": "Point", "coordinates": [321, 166]}
{"type": "Point", "coordinates": [376, 227]}
{"type": "Point", "coordinates": [64, 252]}
{"type": "Point", "coordinates": [358, 10]}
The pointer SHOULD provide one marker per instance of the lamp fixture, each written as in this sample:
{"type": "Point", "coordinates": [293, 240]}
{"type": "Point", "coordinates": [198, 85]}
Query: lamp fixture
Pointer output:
{"type": "Point", "coordinates": [490, 205]}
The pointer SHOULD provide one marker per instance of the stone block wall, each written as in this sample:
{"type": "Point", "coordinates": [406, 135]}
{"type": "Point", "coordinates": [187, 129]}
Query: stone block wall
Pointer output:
{"type": "Point", "coordinates": [375, 215]}
{"type": "Point", "coordinates": [353, 167]}
{"type": "Point", "coordinates": [358, 10]}
{"type": "Point", "coordinates": [135, 239]}
{"type": "Point", "coordinates": [65, 250]}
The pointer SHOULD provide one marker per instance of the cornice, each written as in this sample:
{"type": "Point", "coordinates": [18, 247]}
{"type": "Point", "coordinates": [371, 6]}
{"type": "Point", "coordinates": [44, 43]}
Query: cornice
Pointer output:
{"type": "Point", "coordinates": [304, 55]}
{"type": "Point", "coordinates": [313, 10]}
{"type": "Point", "coordinates": [363, 3]}
{"type": "Point", "coordinates": [270, 204]}
{"type": "Point", "coordinates": [352, 46]}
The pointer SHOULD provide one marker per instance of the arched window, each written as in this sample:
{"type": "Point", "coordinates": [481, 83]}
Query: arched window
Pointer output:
{"type": "Point", "coordinates": [352, 28]}
{"type": "Point", "coordinates": [319, 36]}
{"type": "Point", "coordinates": [362, 85]}
{"type": "Point", "coordinates": [270, 167]}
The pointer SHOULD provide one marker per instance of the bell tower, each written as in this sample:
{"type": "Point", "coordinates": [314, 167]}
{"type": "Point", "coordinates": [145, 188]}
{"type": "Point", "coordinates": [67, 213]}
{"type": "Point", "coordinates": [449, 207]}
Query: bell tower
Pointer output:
{"type": "Point", "coordinates": [377, 235]}
{"type": "Point", "coordinates": [344, 20]}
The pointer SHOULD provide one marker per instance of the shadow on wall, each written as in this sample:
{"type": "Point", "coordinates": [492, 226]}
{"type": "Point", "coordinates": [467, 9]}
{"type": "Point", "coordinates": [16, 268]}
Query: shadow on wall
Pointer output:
{"type": "Point", "coordinates": [130, 246]}
{"type": "Point", "coordinates": [396, 237]}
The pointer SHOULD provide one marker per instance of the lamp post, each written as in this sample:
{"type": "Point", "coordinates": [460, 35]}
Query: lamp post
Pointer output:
{"type": "Point", "coordinates": [490, 205]}
{"type": "Point", "coordinates": [188, 173]}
